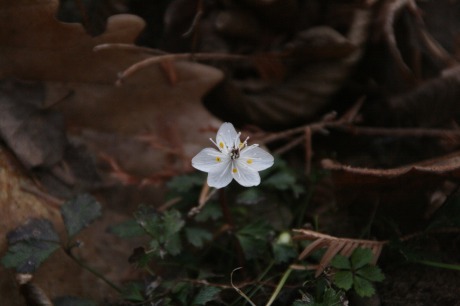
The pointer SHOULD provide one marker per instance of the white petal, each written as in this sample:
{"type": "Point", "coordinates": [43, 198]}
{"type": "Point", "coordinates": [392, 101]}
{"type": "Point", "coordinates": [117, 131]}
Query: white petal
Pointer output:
{"type": "Point", "coordinates": [226, 137]}
{"type": "Point", "coordinates": [221, 178]}
{"type": "Point", "coordinates": [211, 160]}
{"type": "Point", "coordinates": [245, 175]}
{"type": "Point", "coordinates": [256, 158]}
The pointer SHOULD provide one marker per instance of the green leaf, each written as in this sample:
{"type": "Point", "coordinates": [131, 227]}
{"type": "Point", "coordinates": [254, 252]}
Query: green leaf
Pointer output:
{"type": "Point", "coordinates": [371, 273]}
{"type": "Point", "coordinates": [79, 212]}
{"type": "Point", "coordinates": [30, 245]}
{"type": "Point", "coordinates": [205, 295]}
{"type": "Point", "coordinates": [184, 183]}
{"type": "Point", "coordinates": [148, 218]}
{"type": "Point", "coordinates": [283, 252]}
{"type": "Point", "coordinates": [127, 229]}
{"type": "Point", "coordinates": [173, 222]}
{"type": "Point", "coordinates": [281, 181]}
{"type": "Point", "coordinates": [197, 236]}
{"type": "Point", "coordinates": [173, 245]}
{"type": "Point", "coordinates": [253, 239]}
{"type": "Point", "coordinates": [331, 297]}
{"type": "Point", "coordinates": [250, 196]}
{"type": "Point", "coordinates": [133, 292]}
{"type": "Point", "coordinates": [363, 287]}
{"type": "Point", "coordinates": [341, 262]}
{"type": "Point", "coordinates": [211, 211]}
{"type": "Point", "coordinates": [360, 258]}
{"type": "Point", "coordinates": [72, 301]}
{"type": "Point", "coordinates": [181, 292]}
{"type": "Point", "coordinates": [343, 279]}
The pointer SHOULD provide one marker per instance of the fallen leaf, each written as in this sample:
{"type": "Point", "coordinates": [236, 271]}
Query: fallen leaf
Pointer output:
{"type": "Point", "coordinates": [36, 46]}
{"type": "Point", "coordinates": [35, 135]}
{"type": "Point", "coordinates": [439, 169]}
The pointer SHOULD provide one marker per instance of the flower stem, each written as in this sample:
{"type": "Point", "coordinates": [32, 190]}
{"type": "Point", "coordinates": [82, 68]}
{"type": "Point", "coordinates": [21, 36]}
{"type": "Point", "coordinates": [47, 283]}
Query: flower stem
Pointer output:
{"type": "Point", "coordinates": [229, 220]}
{"type": "Point", "coordinates": [279, 287]}
{"type": "Point", "coordinates": [68, 251]}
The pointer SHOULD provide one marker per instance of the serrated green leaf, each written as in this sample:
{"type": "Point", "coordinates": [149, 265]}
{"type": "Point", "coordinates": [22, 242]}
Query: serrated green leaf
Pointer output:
{"type": "Point", "coordinates": [363, 287]}
{"type": "Point", "coordinates": [72, 301]}
{"type": "Point", "coordinates": [173, 222]}
{"type": "Point", "coordinates": [283, 252]}
{"type": "Point", "coordinates": [79, 212]}
{"type": "Point", "coordinates": [360, 257]}
{"type": "Point", "coordinates": [253, 239]}
{"type": "Point", "coordinates": [371, 273]}
{"type": "Point", "coordinates": [211, 211]}
{"type": "Point", "coordinates": [206, 295]}
{"type": "Point", "coordinates": [29, 245]}
{"type": "Point", "coordinates": [173, 245]}
{"type": "Point", "coordinates": [331, 297]}
{"type": "Point", "coordinates": [148, 218]}
{"type": "Point", "coordinates": [197, 236]}
{"type": "Point", "coordinates": [341, 262]}
{"type": "Point", "coordinates": [127, 229]}
{"type": "Point", "coordinates": [343, 279]}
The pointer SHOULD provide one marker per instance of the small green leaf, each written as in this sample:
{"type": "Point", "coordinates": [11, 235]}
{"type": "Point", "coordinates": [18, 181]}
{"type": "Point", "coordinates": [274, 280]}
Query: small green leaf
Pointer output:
{"type": "Point", "coordinates": [184, 183]}
{"type": "Point", "coordinates": [253, 239]}
{"type": "Point", "coordinates": [205, 295]}
{"type": "Point", "coordinates": [173, 222]}
{"type": "Point", "coordinates": [72, 301]}
{"type": "Point", "coordinates": [281, 181]}
{"type": "Point", "coordinates": [283, 252]}
{"type": "Point", "coordinates": [343, 279]}
{"type": "Point", "coordinates": [197, 236]}
{"type": "Point", "coordinates": [127, 229]}
{"type": "Point", "coordinates": [29, 245]}
{"type": "Point", "coordinates": [332, 297]}
{"type": "Point", "coordinates": [360, 258]}
{"type": "Point", "coordinates": [211, 211]}
{"type": "Point", "coordinates": [363, 287]}
{"type": "Point", "coordinates": [341, 262]}
{"type": "Point", "coordinates": [250, 196]}
{"type": "Point", "coordinates": [173, 245]}
{"type": "Point", "coordinates": [79, 212]}
{"type": "Point", "coordinates": [371, 273]}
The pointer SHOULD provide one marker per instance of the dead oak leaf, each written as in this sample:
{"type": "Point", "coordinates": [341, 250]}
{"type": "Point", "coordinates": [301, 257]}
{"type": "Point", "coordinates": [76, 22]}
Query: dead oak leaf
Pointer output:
{"type": "Point", "coordinates": [36, 46]}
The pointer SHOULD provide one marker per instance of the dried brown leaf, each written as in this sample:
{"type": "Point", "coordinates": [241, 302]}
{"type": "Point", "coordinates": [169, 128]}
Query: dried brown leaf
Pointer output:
{"type": "Point", "coordinates": [35, 135]}
{"type": "Point", "coordinates": [447, 166]}
{"type": "Point", "coordinates": [36, 46]}
{"type": "Point", "coordinates": [334, 246]}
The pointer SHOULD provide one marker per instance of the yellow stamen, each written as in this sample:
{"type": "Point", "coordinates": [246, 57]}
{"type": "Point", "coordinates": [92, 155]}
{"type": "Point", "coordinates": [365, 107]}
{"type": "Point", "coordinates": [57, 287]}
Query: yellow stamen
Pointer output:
{"type": "Point", "coordinates": [221, 145]}
{"type": "Point", "coordinates": [218, 159]}
{"type": "Point", "coordinates": [235, 170]}
{"type": "Point", "coordinates": [249, 161]}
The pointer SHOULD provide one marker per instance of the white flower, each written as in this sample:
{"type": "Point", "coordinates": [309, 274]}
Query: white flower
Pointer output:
{"type": "Point", "coordinates": [234, 160]}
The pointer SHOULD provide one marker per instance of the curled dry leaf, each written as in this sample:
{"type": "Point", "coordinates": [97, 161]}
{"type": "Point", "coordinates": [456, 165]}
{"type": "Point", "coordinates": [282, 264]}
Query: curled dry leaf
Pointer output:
{"type": "Point", "coordinates": [36, 46]}
{"type": "Point", "coordinates": [447, 166]}
{"type": "Point", "coordinates": [334, 246]}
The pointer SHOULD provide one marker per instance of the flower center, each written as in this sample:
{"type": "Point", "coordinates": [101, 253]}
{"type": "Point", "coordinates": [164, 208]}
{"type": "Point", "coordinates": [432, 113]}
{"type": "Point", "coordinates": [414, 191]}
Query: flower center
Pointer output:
{"type": "Point", "coordinates": [235, 153]}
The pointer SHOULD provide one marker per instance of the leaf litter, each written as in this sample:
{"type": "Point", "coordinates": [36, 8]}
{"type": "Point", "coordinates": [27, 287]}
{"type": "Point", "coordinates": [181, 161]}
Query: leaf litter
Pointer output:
{"type": "Point", "coordinates": [300, 72]}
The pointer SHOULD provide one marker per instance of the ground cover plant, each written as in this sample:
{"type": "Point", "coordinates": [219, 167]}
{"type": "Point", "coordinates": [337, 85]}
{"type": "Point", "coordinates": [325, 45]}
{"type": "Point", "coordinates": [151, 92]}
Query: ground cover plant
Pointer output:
{"type": "Point", "coordinates": [331, 177]}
